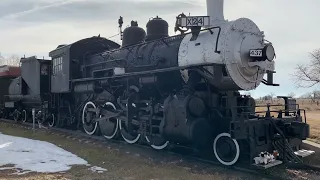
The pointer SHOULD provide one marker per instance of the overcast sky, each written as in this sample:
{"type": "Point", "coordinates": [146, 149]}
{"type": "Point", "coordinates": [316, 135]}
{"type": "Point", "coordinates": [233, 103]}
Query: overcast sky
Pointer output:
{"type": "Point", "coordinates": [35, 27]}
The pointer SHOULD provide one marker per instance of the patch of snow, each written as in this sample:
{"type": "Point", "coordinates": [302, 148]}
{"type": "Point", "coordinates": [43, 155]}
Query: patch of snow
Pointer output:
{"type": "Point", "coordinates": [97, 169]}
{"type": "Point", "coordinates": [21, 173]}
{"type": "Point", "coordinates": [6, 168]}
{"type": "Point", "coordinates": [5, 145]}
{"type": "Point", "coordinates": [33, 155]}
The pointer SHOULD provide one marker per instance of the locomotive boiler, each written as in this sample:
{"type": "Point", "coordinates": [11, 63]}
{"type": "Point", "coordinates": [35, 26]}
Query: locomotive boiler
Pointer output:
{"type": "Point", "coordinates": [161, 89]}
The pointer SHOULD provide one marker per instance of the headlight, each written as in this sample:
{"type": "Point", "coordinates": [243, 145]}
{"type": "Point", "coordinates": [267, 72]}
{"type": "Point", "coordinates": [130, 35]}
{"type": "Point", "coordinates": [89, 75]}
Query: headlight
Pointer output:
{"type": "Point", "coordinates": [269, 52]}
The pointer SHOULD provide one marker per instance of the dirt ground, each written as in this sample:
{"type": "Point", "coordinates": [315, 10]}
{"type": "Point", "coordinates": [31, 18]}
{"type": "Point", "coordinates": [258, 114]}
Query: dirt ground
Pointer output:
{"type": "Point", "coordinates": [125, 162]}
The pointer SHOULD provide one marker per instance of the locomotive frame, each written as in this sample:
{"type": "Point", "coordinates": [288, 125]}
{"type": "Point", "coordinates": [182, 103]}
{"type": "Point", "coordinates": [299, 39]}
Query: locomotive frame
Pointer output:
{"type": "Point", "coordinates": [148, 90]}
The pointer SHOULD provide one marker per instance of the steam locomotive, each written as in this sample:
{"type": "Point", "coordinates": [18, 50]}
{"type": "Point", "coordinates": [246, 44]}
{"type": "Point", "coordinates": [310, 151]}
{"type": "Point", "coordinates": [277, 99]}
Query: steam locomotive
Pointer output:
{"type": "Point", "coordinates": [182, 89]}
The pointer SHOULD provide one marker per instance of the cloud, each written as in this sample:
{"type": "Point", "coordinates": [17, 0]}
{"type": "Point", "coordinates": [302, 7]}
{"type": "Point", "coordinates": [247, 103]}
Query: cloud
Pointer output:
{"type": "Point", "coordinates": [41, 26]}
{"type": "Point", "coordinates": [35, 27]}
{"type": "Point", "coordinates": [12, 9]}
{"type": "Point", "coordinates": [94, 10]}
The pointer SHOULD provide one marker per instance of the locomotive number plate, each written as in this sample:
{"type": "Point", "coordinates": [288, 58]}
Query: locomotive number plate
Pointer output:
{"type": "Point", "coordinates": [191, 21]}
{"type": "Point", "coordinates": [255, 53]}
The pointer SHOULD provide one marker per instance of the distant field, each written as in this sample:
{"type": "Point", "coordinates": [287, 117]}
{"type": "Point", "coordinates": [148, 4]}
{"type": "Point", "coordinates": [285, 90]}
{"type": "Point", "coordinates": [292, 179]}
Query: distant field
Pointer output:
{"type": "Point", "coordinates": [312, 114]}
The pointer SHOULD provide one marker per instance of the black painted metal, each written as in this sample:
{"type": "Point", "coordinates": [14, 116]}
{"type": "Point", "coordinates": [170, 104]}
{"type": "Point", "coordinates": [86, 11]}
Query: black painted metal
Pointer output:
{"type": "Point", "coordinates": [157, 28]}
{"type": "Point", "coordinates": [73, 56]}
{"type": "Point", "coordinates": [133, 35]}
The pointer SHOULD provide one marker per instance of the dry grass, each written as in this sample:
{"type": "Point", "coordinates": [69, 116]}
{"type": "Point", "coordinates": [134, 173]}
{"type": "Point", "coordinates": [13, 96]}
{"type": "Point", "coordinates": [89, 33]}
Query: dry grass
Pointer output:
{"type": "Point", "coordinates": [313, 119]}
{"type": "Point", "coordinates": [312, 114]}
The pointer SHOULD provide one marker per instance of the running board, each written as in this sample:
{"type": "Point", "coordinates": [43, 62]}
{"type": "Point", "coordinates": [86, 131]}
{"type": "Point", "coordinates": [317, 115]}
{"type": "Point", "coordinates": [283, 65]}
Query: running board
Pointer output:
{"type": "Point", "coordinates": [269, 165]}
{"type": "Point", "coordinates": [304, 153]}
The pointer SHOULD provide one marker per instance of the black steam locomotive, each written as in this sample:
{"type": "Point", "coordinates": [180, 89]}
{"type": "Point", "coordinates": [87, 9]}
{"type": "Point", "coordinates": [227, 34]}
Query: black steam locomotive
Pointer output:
{"type": "Point", "coordinates": [181, 89]}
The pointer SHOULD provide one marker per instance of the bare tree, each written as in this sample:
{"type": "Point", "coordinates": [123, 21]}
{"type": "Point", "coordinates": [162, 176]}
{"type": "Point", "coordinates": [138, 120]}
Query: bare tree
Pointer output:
{"type": "Point", "coordinates": [292, 94]}
{"type": "Point", "coordinates": [308, 75]}
{"type": "Point", "coordinates": [307, 95]}
{"type": "Point", "coordinates": [272, 94]}
{"type": "Point", "coordinates": [13, 60]}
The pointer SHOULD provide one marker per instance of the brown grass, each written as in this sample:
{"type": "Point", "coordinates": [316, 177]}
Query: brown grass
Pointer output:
{"type": "Point", "coordinates": [313, 119]}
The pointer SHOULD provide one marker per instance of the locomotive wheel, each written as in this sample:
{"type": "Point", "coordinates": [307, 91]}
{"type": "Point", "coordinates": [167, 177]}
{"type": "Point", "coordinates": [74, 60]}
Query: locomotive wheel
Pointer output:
{"type": "Point", "coordinates": [16, 115]}
{"type": "Point", "coordinates": [88, 126]}
{"type": "Point", "coordinates": [109, 127]}
{"type": "Point", "coordinates": [52, 120]}
{"type": "Point", "coordinates": [130, 138]}
{"type": "Point", "coordinates": [24, 116]}
{"type": "Point", "coordinates": [156, 142]}
{"type": "Point", "coordinates": [226, 149]}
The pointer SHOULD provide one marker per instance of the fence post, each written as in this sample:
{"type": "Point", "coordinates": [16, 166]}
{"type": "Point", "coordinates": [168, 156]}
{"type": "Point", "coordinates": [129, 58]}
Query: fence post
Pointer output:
{"type": "Point", "coordinates": [33, 119]}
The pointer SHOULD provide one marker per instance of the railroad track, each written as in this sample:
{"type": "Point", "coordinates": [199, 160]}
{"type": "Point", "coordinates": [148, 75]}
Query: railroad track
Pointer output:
{"type": "Point", "coordinates": [173, 150]}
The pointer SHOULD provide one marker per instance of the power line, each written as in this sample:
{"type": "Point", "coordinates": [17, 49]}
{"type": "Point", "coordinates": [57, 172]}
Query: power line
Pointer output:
{"type": "Point", "coordinates": [113, 36]}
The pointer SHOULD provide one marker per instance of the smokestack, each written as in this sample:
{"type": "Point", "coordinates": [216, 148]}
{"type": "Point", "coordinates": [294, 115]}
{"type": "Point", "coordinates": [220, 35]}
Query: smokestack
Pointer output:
{"type": "Point", "coordinates": [215, 11]}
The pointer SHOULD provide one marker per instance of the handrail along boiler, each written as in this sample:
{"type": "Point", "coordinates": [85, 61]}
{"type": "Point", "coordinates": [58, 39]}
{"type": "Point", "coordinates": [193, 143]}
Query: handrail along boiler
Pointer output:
{"type": "Point", "coordinates": [161, 89]}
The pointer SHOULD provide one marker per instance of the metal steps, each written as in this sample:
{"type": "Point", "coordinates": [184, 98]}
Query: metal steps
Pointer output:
{"type": "Point", "coordinates": [304, 153]}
